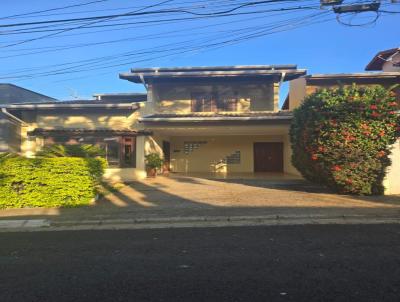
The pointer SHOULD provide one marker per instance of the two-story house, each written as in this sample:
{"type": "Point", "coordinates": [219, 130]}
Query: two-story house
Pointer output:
{"type": "Point", "coordinates": [209, 120]}
{"type": "Point", "coordinates": [216, 119]}
{"type": "Point", "coordinates": [201, 120]}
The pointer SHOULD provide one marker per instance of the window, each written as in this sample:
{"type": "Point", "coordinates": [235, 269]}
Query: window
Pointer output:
{"type": "Point", "coordinates": [112, 151]}
{"type": "Point", "coordinates": [203, 102]}
{"type": "Point", "coordinates": [128, 156]}
{"type": "Point", "coordinates": [206, 102]}
{"type": "Point", "coordinates": [118, 151]}
{"type": "Point", "coordinates": [121, 151]}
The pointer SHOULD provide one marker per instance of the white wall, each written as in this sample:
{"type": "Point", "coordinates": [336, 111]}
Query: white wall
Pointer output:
{"type": "Point", "coordinates": [392, 180]}
{"type": "Point", "coordinates": [388, 66]}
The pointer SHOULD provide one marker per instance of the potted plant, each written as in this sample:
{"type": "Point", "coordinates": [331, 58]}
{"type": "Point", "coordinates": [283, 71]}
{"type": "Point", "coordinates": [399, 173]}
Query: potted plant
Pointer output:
{"type": "Point", "coordinates": [153, 162]}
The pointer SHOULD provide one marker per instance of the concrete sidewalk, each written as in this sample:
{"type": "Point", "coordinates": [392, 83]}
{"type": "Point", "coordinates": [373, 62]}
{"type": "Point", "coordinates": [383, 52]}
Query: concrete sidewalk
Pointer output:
{"type": "Point", "coordinates": [192, 201]}
{"type": "Point", "coordinates": [31, 225]}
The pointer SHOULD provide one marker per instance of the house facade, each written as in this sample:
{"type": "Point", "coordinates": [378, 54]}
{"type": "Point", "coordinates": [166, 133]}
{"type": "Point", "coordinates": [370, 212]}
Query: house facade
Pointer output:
{"type": "Point", "coordinates": [201, 120]}
{"type": "Point", "coordinates": [216, 119]}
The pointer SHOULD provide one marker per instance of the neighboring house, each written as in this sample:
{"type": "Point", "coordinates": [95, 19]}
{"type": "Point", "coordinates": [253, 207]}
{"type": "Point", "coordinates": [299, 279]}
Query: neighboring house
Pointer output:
{"type": "Point", "coordinates": [120, 97]}
{"type": "Point", "coordinates": [10, 127]}
{"type": "Point", "coordinates": [109, 124]}
{"type": "Point", "coordinates": [386, 60]}
{"type": "Point", "coordinates": [307, 85]}
{"type": "Point", "coordinates": [386, 65]}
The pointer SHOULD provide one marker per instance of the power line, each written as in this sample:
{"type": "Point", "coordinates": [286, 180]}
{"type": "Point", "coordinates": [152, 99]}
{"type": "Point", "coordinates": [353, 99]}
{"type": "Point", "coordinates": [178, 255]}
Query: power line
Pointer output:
{"type": "Point", "coordinates": [189, 18]}
{"type": "Point", "coordinates": [204, 42]}
{"type": "Point", "coordinates": [177, 50]}
{"type": "Point", "coordinates": [82, 26]}
{"type": "Point", "coordinates": [52, 9]}
{"type": "Point", "coordinates": [142, 13]}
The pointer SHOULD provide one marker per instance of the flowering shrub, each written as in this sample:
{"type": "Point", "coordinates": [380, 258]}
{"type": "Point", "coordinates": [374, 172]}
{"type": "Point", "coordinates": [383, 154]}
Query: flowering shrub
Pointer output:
{"type": "Point", "coordinates": [341, 138]}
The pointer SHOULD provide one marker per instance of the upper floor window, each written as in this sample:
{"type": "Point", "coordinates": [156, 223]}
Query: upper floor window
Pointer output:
{"type": "Point", "coordinates": [207, 102]}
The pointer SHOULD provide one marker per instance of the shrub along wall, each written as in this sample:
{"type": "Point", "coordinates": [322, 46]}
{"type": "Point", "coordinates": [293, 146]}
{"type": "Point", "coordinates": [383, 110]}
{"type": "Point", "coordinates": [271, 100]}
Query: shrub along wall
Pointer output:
{"type": "Point", "coordinates": [342, 138]}
{"type": "Point", "coordinates": [48, 182]}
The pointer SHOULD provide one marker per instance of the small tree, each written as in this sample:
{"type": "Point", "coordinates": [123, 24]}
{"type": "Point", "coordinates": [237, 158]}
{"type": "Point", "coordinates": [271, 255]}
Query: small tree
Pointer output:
{"type": "Point", "coordinates": [341, 138]}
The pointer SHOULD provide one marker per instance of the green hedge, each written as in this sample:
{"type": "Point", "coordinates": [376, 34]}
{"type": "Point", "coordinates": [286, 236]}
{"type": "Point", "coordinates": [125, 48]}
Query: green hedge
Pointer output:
{"type": "Point", "coordinates": [48, 182]}
{"type": "Point", "coordinates": [342, 138]}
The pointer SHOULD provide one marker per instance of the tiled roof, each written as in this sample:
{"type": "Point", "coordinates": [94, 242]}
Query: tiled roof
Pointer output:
{"type": "Point", "coordinates": [380, 58]}
{"type": "Point", "coordinates": [224, 114]}
{"type": "Point", "coordinates": [283, 72]}
{"type": "Point", "coordinates": [12, 94]}
{"type": "Point", "coordinates": [97, 102]}
{"type": "Point", "coordinates": [82, 131]}
{"type": "Point", "coordinates": [221, 116]}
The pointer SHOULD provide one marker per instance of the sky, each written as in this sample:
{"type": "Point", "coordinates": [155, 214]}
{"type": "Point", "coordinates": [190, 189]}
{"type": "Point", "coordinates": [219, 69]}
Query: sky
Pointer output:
{"type": "Point", "coordinates": [324, 47]}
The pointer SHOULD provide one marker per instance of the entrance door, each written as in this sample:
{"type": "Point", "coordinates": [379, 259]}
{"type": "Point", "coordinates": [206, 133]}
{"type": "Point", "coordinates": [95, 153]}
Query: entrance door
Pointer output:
{"type": "Point", "coordinates": [167, 155]}
{"type": "Point", "coordinates": [268, 157]}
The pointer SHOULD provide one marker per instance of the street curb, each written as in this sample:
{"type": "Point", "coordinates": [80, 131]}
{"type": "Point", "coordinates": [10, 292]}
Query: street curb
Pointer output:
{"type": "Point", "coordinates": [188, 222]}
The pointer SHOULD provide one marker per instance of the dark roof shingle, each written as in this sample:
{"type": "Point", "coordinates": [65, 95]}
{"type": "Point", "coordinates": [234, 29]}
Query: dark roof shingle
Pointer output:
{"type": "Point", "coordinates": [12, 94]}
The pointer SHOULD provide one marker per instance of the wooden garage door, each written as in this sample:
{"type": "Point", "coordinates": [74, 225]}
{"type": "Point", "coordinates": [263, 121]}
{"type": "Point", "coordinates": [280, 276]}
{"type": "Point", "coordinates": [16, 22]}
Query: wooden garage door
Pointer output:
{"type": "Point", "coordinates": [268, 157]}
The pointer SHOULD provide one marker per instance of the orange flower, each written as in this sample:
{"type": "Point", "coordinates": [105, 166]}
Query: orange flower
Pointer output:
{"type": "Point", "coordinates": [381, 153]}
{"type": "Point", "coordinates": [314, 157]}
{"type": "Point", "coordinates": [336, 168]}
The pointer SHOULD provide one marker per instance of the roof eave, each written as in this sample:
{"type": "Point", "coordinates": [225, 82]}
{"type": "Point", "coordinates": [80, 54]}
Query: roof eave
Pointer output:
{"type": "Point", "coordinates": [215, 119]}
{"type": "Point", "coordinates": [378, 60]}
{"type": "Point", "coordinates": [72, 106]}
{"type": "Point", "coordinates": [337, 76]}
{"type": "Point", "coordinates": [138, 77]}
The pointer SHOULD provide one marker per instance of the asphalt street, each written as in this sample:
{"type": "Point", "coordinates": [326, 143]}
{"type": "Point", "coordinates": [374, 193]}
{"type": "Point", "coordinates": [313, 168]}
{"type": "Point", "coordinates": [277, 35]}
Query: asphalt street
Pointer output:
{"type": "Point", "coordinates": [275, 263]}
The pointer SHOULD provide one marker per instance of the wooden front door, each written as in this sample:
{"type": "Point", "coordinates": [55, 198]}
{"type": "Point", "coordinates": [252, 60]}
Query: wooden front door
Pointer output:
{"type": "Point", "coordinates": [167, 155]}
{"type": "Point", "coordinates": [268, 157]}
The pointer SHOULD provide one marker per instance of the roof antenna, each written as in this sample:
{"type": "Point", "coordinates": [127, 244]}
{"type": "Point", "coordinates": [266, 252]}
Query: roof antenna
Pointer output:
{"type": "Point", "coordinates": [73, 93]}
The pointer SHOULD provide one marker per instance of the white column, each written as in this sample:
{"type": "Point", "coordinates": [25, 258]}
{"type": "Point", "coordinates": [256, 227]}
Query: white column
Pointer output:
{"type": "Point", "coordinates": [140, 153]}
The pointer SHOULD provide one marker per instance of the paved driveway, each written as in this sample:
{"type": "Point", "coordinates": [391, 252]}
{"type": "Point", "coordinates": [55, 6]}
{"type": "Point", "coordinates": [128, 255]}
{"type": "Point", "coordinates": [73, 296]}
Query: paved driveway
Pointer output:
{"type": "Point", "coordinates": [241, 194]}
{"type": "Point", "coordinates": [202, 195]}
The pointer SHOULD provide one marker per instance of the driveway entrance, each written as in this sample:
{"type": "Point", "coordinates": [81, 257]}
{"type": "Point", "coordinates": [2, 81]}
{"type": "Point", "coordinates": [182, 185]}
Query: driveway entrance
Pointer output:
{"type": "Point", "coordinates": [237, 194]}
